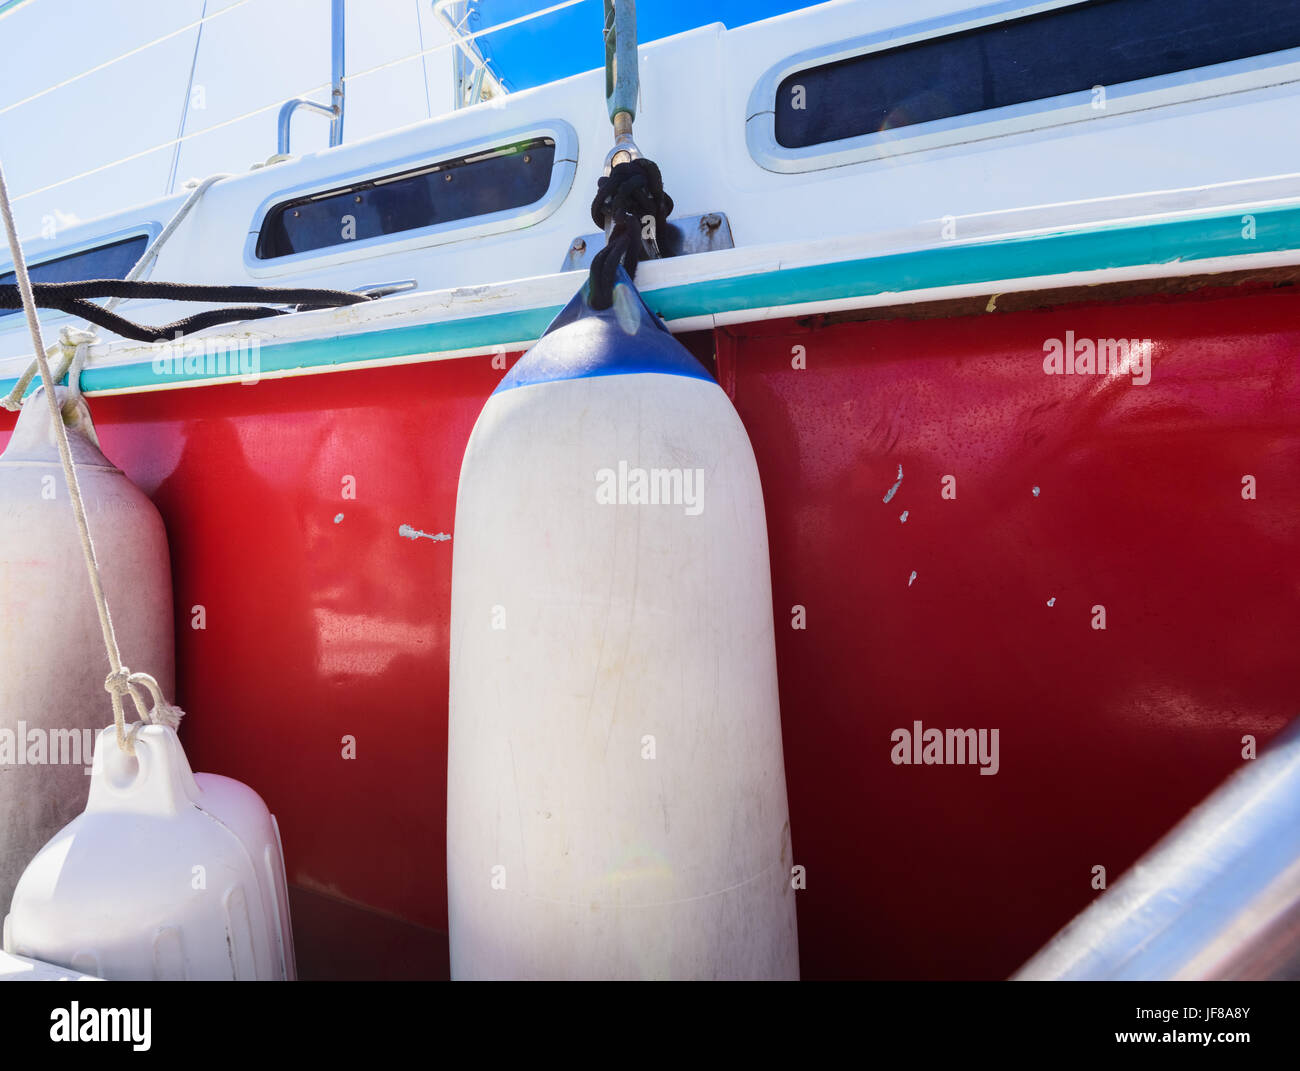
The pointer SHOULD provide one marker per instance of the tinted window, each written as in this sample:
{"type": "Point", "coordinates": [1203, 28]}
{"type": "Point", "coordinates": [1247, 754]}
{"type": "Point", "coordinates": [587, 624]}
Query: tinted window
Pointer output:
{"type": "Point", "coordinates": [509, 177]}
{"type": "Point", "coordinates": [1072, 49]}
{"type": "Point", "coordinates": [106, 262]}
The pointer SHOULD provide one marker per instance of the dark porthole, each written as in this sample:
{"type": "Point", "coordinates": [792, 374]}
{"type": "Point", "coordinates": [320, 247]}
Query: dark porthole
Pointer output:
{"type": "Point", "coordinates": [512, 176]}
{"type": "Point", "coordinates": [1048, 54]}
{"type": "Point", "coordinates": [111, 261]}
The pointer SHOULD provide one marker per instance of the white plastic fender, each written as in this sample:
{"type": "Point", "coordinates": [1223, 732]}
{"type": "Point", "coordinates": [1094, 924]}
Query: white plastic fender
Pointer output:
{"type": "Point", "coordinates": [168, 875]}
{"type": "Point", "coordinates": [52, 658]}
{"type": "Point", "coordinates": [616, 802]}
{"type": "Point", "coordinates": [19, 969]}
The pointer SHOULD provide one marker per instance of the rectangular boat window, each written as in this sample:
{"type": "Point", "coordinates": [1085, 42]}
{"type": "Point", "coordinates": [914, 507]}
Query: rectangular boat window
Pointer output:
{"type": "Point", "coordinates": [111, 261]}
{"type": "Point", "coordinates": [1038, 56]}
{"type": "Point", "coordinates": [497, 180]}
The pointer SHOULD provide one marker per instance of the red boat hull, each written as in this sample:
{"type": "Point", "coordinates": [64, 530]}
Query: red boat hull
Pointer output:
{"type": "Point", "coordinates": [322, 622]}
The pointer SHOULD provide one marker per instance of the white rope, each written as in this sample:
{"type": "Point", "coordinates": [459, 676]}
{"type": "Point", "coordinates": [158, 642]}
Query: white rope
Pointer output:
{"type": "Point", "coordinates": [73, 340]}
{"type": "Point", "coordinates": [121, 681]}
{"type": "Point", "coordinates": [155, 247]}
{"type": "Point", "coordinates": [456, 42]}
{"type": "Point", "coordinates": [77, 363]}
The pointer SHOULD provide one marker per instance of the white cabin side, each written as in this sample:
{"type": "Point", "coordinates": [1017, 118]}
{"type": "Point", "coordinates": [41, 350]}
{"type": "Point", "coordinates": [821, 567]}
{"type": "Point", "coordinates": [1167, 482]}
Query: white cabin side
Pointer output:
{"type": "Point", "coordinates": [1061, 161]}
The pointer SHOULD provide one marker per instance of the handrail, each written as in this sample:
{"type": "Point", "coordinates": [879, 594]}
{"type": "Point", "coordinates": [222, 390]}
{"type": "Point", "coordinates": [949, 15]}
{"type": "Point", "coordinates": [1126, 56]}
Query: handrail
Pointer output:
{"type": "Point", "coordinates": [338, 68]}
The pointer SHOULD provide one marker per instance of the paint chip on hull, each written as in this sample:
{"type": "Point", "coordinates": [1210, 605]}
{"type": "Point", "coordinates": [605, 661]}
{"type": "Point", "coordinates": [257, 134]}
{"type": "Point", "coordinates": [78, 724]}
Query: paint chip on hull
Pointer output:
{"type": "Point", "coordinates": [897, 483]}
{"type": "Point", "coordinates": [911, 578]}
{"type": "Point", "coordinates": [338, 518]}
{"type": "Point", "coordinates": [1036, 490]}
{"type": "Point", "coordinates": [407, 532]}
{"type": "Point", "coordinates": [1051, 601]}
{"type": "Point", "coordinates": [903, 517]}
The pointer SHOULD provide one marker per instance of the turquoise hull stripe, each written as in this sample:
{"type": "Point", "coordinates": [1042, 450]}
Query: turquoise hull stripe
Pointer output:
{"type": "Point", "coordinates": [1000, 260]}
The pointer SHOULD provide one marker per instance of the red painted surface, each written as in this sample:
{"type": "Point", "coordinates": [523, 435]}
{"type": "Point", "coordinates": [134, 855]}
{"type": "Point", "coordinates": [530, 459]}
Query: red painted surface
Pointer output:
{"type": "Point", "coordinates": [1106, 737]}
{"type": "Point", "coordinates": [316, 630]}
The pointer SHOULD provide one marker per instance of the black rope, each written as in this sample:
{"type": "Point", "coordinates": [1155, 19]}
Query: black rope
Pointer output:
{"type": "Point", "coordinates": [629, 193]}
{"type": "Point", "coordinates": [74, 299]}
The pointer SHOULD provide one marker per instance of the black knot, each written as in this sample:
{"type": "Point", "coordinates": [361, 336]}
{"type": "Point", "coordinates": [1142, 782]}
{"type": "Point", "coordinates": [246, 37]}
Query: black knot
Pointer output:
{"type": "Point", "coordinates": [629, 197]}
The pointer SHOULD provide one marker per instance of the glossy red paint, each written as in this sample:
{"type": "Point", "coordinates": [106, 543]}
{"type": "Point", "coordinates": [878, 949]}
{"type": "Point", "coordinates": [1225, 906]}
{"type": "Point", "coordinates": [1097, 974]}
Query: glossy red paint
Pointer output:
{"type": "Point", "coordinates": [322, 622]}
{"type": "Point", "coordinates": [283, 503]}
{"type": "Point", "coordinates": [1106, 737]}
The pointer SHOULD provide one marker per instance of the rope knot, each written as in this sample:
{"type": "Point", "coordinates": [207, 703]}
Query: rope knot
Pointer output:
{"type": "Point", "coordinates": [72, 337]}
{"type": "Point", "coordinates": [632, 192]}
{"type": "Point", "coordinates": [118, 683]}
{"type": "Point", "coordinates": [70, 350]}
{"type": "Point", "coordinates": [123, 682]}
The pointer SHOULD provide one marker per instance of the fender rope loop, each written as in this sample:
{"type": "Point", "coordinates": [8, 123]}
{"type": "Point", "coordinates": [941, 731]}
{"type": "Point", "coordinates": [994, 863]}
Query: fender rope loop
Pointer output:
{"type": "Point", "coordinates": [71, 346]}
{"type": "Point", "coordinates": [123, 682]}
{"type": "Point", "coordinates": [80, 345]}
{"type": "Point", "coordinates": [631, 192]}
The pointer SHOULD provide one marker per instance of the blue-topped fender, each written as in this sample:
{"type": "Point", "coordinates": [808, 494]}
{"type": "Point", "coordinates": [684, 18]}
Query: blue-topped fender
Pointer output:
{"type": "Point", "coordinates": [624, 339]}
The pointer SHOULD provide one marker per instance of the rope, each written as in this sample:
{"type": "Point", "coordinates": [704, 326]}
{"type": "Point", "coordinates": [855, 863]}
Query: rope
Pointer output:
{"type": "Point", "coordinates": [630, 192]}
{"type": "Point", "coordinates": [155, 247]}
{"type": "Point", "coordinates": [79, 345]}
{"type": "Point", "coordinates": [120, 681]}
{"type": "Point", "coordinates": [72, 298]}
{"type": "Point", "coordinates": [73, 339]}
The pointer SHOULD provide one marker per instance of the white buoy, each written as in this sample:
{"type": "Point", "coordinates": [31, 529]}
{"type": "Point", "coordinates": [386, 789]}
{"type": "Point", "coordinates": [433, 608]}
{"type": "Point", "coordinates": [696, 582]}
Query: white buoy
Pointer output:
{"type": "Point", "coordinates": [20, 969]}
{"type": "Point", "coordinates": [52, 660]}
{"type": "Point", "coordinates": [168, 875]}
{"type": "Point", "coordinates": [616, 802]}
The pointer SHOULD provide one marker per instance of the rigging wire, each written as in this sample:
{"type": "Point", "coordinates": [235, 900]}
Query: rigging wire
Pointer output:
{"type": "Point", "coordinates": [125, 55]}
{"type": "Point", "coordinates": [276, 104]}
{"type": "Point", "coordinates": [424, 63]}
{"type": "Point", "coordinates": [185, 103]}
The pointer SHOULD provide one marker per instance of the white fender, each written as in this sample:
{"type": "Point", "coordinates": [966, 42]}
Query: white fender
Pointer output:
{"type": "Point", "coordinates": [616, 802]}
{"type": "Point", "coordinates": [52, 659]}
{"type": "Point", "coordinates": [18, 969]}
{"type": "Point", "coordinates": [167, 875]}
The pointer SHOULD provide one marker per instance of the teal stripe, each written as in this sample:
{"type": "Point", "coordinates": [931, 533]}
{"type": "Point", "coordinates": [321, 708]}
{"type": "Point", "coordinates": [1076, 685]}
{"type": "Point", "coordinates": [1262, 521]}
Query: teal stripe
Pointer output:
{"type": "Point", "coordinates": [469, 333]}
{"type": "Point", "coordinates": [999, 260]}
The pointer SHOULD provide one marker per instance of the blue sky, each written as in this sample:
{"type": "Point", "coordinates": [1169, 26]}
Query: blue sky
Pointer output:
{"type": "Point", "coordinates": [516, 53]}
{"type": "Point", "coordinates": [121, 121]}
